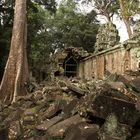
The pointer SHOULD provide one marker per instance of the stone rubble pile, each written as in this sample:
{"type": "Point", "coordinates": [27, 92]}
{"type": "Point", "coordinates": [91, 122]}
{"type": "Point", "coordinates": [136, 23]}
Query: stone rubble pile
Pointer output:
{"type": "Point", "coordinates": [71, 109]}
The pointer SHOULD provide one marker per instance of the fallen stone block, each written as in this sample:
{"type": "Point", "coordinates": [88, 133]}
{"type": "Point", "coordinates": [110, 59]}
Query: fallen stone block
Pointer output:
{"type": "Point", "coordinates": [136, 83]}
{"type": "Point", "coordinates": [132, 82]}
{"type": "Point", "coordinates": [118, 90]}
{"type": "Point", "coordinates": [47, 124]}
{"type": "Point", "coordinates": [125, 111]}
{"type": "Point", "coordinates": [76, 90]}
{"type": "Point", "coordinates": [82, 131]}
{"type": "Point", "coordinates": [113, 130]}
{"type": "Point", "coordinates": [52, 110]}
{"type": "Point", "coordinates": [60, 128]}
{"type": "Point", "coordinates": [69, 109]}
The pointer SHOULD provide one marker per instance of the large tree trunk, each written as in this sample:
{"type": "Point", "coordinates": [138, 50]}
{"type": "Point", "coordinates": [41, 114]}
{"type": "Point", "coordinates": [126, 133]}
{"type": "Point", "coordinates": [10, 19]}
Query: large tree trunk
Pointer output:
{"type": "Point", "coordinates": [16, 71]}
{"type": "Point", "coordinates": [126, 22]}
{"type": "Point", "coordinates": [125, 19]}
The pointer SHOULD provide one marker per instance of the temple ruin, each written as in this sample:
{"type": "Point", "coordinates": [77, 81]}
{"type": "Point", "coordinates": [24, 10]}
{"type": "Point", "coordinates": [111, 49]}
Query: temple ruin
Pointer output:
{"type": "Point", "coordinates": [109, 57]}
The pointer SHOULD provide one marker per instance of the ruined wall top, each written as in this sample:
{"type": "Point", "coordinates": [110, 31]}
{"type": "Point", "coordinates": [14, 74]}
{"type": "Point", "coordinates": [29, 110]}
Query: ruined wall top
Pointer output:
{"type": "Point", "coordinates": [107, 37]}
{"type": "Point", "coordinates": [136, 31]}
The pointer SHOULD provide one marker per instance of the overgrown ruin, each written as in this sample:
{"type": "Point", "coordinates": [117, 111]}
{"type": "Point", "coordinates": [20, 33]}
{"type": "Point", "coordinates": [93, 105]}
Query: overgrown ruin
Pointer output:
{"type": "Point", "coordinates": [110, 56]}
{"type": "Point", "coordinates": [90, 96]}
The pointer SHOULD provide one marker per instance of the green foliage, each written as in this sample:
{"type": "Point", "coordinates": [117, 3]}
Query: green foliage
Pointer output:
{"type": "Point", "coordinates": [50, 5]}
{"type": "Point", "coordinates": [47, 30]}
{"type": "Point", "coordinates": [105, 8]}
{"type": "Point", "coordinates": [131, 8]}
{"type": "Point", "coordinates": [125, 9]}
{"type": "Point", "coordinates": [6, 13]}
{"type": "Point", "coordinates": [108, 8]}
{"type": "Point", "coordinates": [66, 28]}
{"type": "Point", "coordinates": [69, 27]}
{"type": "Point", "coordinates": [35, 23]}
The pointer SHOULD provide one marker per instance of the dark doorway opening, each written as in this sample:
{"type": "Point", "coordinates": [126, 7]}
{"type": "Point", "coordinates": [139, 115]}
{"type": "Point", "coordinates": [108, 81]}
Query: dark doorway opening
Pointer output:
{"type": "Point", "coordinates": [139, 65]}
{"type": "Point", "coordinates": [57, 73]}
{"type": "Point", "coordinates": [70, 67]}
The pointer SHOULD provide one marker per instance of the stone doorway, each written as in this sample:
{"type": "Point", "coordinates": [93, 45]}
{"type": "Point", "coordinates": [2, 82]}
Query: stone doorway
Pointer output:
{"type": "Point", "coordinates": [139, 66]}
{"type": "Point", "coordinates": [70, 67]}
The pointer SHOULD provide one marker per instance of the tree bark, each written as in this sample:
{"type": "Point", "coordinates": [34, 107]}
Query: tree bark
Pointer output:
{"type": "Point", "coordinates": [126, 22]}
{"type": "Point", "coordinates": [125, 19]}
{"type": "Point", "coordinates": [16, 71]}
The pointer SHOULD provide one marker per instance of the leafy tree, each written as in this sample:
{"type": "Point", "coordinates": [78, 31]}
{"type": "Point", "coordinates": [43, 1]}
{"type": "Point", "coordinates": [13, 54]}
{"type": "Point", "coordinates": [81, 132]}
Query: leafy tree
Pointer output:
{"type": "Point", "coordinates": [125, 9]}
{"type": "Point", "coordinates": [15, 75]}
{"type": "Point", "coordinates": [69, 27]}
{"type": "Point", "coordinates": [48, 4]}
{"type": "Point", "coordinates": [39, 46]}
{"type": "Point", "coordinates": [128, 9]}
{"type": "Point", "coordinates": [16, 71]}
{"type": "Point", "coordinates": [47, 31]}
{"type": "Point", "coordinates": [35, 23]}
{"type": "Point", "coordinates": [6, 13]}
{"type": "Point", "coordinates": [106, 8]}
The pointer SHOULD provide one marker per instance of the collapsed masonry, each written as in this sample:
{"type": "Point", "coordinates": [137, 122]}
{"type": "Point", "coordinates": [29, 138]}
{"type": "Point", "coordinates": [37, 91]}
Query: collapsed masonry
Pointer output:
{"type": "Point", "coordinates": [69, 108]}
{"type": "Point", "coordinates": [109, 57]}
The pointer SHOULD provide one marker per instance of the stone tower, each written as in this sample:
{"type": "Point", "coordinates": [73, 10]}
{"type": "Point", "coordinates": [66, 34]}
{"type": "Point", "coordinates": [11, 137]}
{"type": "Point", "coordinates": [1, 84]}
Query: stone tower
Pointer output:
{"type": "Point", "coordinates": [107, 37]}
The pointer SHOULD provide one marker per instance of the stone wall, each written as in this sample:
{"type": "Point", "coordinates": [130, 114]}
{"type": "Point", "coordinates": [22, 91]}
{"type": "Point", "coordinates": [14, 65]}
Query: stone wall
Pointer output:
{"type": "Point", "coordinates": [108, 58]}
{"type": "Point", "coordinates": [111, 57]}
{"type": "Point", "coordinates": [135, 57]}
{"type": "Point", "coordinates": [118, 59]}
